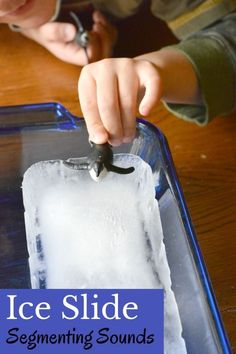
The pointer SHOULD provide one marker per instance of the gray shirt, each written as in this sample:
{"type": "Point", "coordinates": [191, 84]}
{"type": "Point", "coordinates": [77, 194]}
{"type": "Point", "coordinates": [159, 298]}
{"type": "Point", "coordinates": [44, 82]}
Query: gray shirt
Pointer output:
{"type": "Point", "coordinates": [165, 9]}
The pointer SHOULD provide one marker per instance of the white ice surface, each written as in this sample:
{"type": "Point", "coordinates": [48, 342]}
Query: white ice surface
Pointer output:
{"type": "Point", "coordinates": [107, 234]}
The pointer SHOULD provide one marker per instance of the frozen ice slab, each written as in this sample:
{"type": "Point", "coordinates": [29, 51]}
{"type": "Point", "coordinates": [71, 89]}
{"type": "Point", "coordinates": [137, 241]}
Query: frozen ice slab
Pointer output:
{"type": "Point", "coordinates": [83, 234]}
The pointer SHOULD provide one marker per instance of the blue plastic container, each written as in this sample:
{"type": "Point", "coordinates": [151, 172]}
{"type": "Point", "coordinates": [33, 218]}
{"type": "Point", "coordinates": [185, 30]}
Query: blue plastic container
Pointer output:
{"type": "Point", "coordinates": [33, 133]}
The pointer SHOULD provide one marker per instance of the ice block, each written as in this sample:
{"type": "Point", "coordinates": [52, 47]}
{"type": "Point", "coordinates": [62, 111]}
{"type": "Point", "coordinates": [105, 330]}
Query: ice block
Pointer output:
{"type": "Point", "coordinates": [83, 234]}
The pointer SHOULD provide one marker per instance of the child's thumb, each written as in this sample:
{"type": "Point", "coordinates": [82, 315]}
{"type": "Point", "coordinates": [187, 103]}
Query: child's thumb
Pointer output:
{"type": "Point", "coordinates": [58, 32]}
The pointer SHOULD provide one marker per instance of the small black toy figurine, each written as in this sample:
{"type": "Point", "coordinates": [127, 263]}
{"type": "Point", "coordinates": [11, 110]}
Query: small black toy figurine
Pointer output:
{"type": "Point", "coordinates": [82, 36]}
{"type": "Point", "coordinates": [98, 162]}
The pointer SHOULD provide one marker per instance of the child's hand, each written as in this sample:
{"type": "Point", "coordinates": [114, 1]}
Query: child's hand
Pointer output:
{"type": "Point", "coordinates": [109, 91]}
{"type": "Point", "coordinates": [58, 38]}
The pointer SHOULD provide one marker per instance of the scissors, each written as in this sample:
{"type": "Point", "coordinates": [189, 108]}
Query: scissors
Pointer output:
{"type": "Point", "coordinates": [98, 162]}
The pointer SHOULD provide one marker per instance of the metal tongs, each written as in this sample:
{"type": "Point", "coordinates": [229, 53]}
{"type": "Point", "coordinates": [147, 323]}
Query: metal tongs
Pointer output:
{"type": "Point", "coordinates": [82, 36]}
{"type": "Point", "coordinates": [98, 162]}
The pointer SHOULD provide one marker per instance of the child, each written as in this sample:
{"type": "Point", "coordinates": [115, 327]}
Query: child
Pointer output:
{"type": "Point", "coordinates": [196, 78]}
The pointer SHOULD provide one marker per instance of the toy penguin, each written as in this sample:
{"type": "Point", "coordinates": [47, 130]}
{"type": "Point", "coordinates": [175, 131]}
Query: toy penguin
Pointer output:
{"type": "Point", "coordinates": [82, 36]}
{"type": "Point", "coordinates": [98, 162]}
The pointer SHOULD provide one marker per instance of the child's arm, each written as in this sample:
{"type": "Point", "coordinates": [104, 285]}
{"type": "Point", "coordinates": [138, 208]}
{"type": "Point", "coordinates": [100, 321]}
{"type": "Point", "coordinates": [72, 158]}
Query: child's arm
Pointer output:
{"type": "Point", "coordinates": [110, 89]}
{"type": "Point", "coordinates": [212, 53]}
{"type": "Point", "coordinates": [196, 79]}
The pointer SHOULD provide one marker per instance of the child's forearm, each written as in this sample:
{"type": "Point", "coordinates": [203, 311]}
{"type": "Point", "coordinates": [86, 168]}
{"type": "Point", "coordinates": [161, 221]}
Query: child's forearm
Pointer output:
{"type": "Point", "coordinates": [179, 81]}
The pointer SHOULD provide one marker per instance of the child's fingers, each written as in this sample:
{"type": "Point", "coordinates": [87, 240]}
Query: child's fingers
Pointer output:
{"type": "Point", "coordinates": [108, 102]}
{"type": "Point", "coordinates": [87, 95]}
{"type": "Point", "coordinates": [105, 38]}
{"type": "Point", "coordinates": [107, 33]}
{"type": "Point", "coordinates": [68, 52]}
{"type": "Point", "coordinates": [108, 93]}
{"type": "Point", "coordinates": [99, 17]}
{"type": "Point", "coordinates": [52, 32]}
{"type": "Point", "coordinates": [94, 48]}
{"type": "Point", "coordinates": [58, 32]}
{"type": "Point", "coordinates": [128, 89]}
{"type": "Point", "coordinates": [150, 80]}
